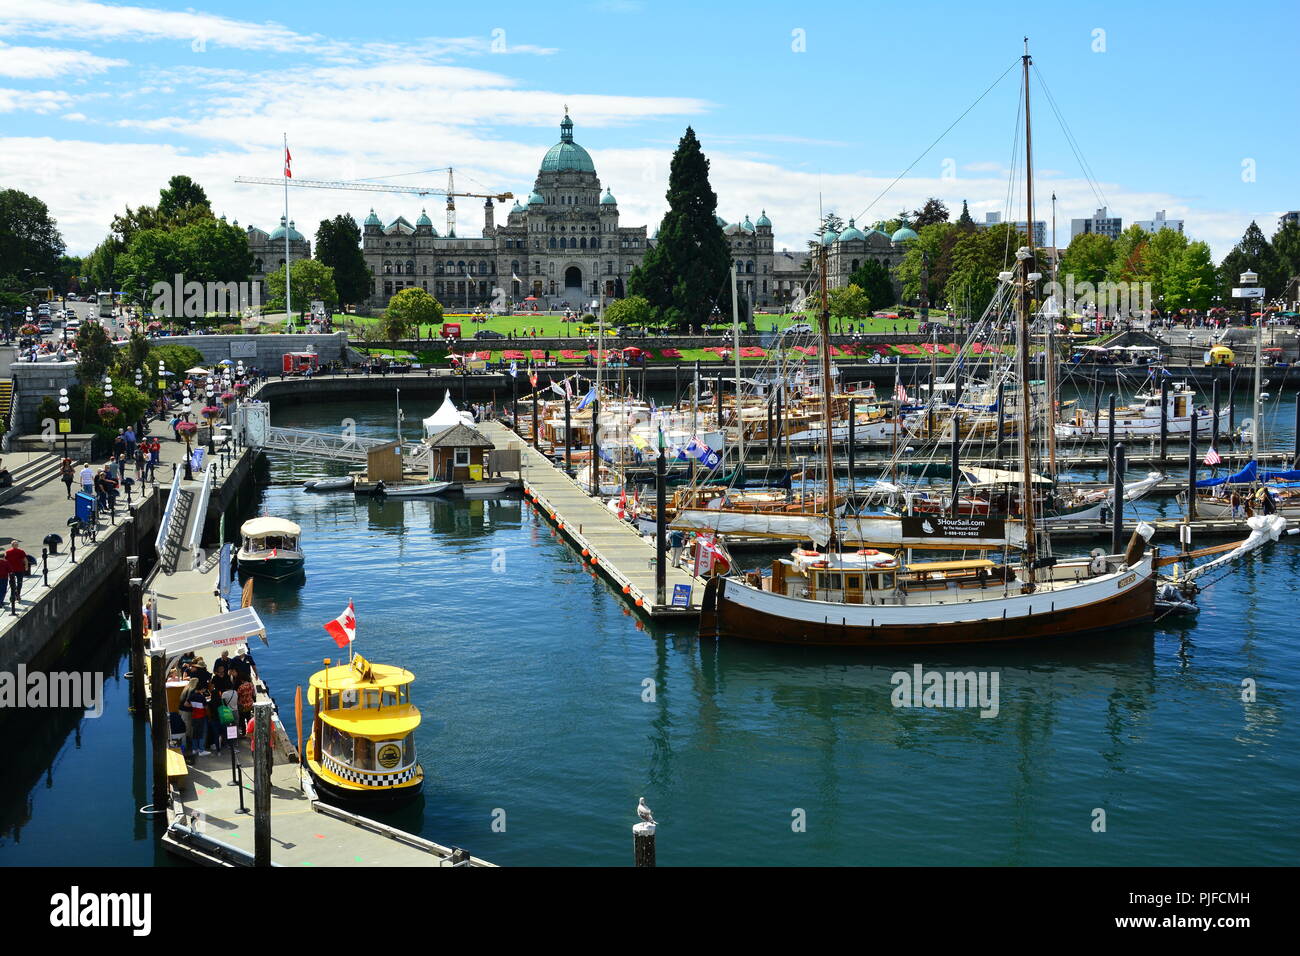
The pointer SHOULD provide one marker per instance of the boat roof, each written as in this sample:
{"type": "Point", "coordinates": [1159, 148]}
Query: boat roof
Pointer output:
{"type": "Point", "coordinates": [997, 476]}
{"type": "Point", "coordinates": [949, 565]}
{"type": "Point", "coordinates": [368, 676]}
{"type": "Point", "coordinates": [395, 721]}
{"type": "Point", "coordinates": [257, 527]}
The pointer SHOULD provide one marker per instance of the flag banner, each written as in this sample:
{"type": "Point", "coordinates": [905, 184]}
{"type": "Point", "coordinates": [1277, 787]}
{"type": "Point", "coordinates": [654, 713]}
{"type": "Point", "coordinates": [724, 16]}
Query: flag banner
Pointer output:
{"type": "Point", "coordinates": [514, 369]}
{"type": "Point", "coordinates": [587, 399]}
{"type": "Point", "coordinates": [568, 389]}
{"type": "Point", "coordinates": [532, 379]}
{"type": "Point", "coordinates": [555, 387]}
{"type": "Point", "coordinates": [288, 172]}
{"type": "Point", "coordinates": [344, 627]}
{"type": "Point", "coordinates": [1212, 457]}
{"type": "Point", "coordinates": [701, 452]}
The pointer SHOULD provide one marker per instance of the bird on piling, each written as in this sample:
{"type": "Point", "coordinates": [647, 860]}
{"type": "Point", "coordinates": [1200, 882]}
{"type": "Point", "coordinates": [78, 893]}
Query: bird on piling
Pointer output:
{"type": "Point", "coordinates": [644, 813]}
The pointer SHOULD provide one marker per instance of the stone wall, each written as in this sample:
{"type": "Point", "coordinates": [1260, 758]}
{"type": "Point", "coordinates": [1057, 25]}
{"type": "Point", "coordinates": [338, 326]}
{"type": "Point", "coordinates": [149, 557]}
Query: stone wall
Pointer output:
{"type": "Point", "coordinates": [33, 381]}
{"type": "Point", "coordinates": [263, 351]}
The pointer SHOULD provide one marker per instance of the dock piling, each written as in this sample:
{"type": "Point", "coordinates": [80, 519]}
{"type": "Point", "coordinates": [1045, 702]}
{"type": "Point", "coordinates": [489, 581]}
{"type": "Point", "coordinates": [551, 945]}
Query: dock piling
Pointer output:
{"type": "Point", "coordinates": [661, 526]}
{"type": "Point", "coordinates": [1164, 419]}
{"type": "Point", "coordinates": [160, 727]}
{"type": "Point", "coordinates": [1110, 440]}
{"type": "Point", "coordinates": [1117, 505]}
{"type": "Point", "coordinates": [262, 783]}
{"type": "Point", "coordinates": [1191, 466]}
{"type": "Point", "coordinates": [643, 844]}
{"type": "Point", "coordinates": [135, 592]}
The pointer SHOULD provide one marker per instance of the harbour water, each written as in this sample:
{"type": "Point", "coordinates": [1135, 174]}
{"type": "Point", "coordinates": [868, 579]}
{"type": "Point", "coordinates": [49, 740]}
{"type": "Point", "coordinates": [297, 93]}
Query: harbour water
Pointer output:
{"type": "Point", "coordinates": [550, 709]}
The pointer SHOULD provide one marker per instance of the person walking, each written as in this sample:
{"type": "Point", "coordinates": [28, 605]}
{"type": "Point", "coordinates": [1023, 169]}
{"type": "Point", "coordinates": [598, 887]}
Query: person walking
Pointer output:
{"type": "Point", "coordinates": [87, 475]}
{"type": "Point", "coordinates": [676, 541]}
{"type": "Point", "coordinates": [68, 474]}
{"type": "Point", "coordinates": [15, 560]}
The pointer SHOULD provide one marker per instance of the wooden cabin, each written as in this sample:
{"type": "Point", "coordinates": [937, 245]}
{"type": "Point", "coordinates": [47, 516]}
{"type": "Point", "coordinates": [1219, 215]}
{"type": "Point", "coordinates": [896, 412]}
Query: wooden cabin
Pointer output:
{"type": "Point", "coordinates": [384, 463]}
{"type": "Point", "coordinates": [459, 454]}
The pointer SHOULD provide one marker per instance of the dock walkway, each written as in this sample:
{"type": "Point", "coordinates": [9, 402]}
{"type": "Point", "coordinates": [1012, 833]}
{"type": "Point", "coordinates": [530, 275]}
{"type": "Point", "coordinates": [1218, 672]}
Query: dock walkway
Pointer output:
{"type": "Point", "coordinates": [619, 551]}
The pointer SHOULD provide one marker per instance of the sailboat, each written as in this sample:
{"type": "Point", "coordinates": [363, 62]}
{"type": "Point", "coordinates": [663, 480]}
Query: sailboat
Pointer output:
{"type": "Point", "coordinates": [877, 596]}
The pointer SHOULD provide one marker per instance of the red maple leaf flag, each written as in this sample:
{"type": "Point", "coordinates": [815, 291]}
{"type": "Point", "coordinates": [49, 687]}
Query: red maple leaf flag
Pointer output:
{"type": "Point", "coordinates": [288, 173]}
{"type": "Point", "coordinates": [344, 627]}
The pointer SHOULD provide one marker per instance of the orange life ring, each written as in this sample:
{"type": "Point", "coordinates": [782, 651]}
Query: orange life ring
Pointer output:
{"type": "Point", "coordinates": [867, 551]}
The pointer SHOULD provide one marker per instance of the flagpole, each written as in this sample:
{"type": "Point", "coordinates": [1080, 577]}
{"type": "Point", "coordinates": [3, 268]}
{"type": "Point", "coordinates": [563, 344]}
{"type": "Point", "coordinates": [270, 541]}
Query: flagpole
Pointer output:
{"type": "Point", "coordinates": [288, 303]}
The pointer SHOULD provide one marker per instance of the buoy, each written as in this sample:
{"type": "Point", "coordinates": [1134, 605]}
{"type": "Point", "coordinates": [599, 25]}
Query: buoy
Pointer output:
{"type": "Point", "coordinates": [561, 525]}
{"type": "Point", "coordinates": [639, 602]}
{"type": "Point", "coordinates": [594, 562]}
{"type": "Point", "coordinates": [585, 552]}
{"type": "Point", "coordinates": [627, 589]}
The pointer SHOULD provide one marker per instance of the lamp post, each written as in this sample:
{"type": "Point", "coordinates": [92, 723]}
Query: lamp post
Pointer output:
{"type": "Point", "coordinates": [185, 405]}
{"type": "Point", "coordinates": [65, 424]}
{"type": "Point", "coordinates": [1250, 289]}
{"type": "Point", "coordinates": [162, 378]}
{"type": "Point", "coordinates": [212, 419]}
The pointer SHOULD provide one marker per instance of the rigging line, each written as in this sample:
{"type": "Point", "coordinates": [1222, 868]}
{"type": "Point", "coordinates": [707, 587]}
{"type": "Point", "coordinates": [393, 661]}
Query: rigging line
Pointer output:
{"type": "Point", "coordinates": [1071, 141]}
{"type": "Point", "coordinates": [938, 139]}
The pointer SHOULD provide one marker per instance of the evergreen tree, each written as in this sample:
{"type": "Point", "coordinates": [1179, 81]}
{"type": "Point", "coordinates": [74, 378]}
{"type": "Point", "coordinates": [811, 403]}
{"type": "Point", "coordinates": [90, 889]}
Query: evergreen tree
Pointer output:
{"type": "Point", "coordinates": [1253, 253]}
{"type": "Point", "coordinates": [964, 221]}
{"type": "Point", "coordinates": [872, 277]}
{"type": "Point", "coordinates": [180, 196]}
{"type": "Point", "coordinates": [30, 244]}
{"type": "Point", "coordinates": [338, 245]}
{"type": "Point", "coordinates": [934, 211]}
{"type": "Point", "coordinates": [685, 273]}
{"type": "Point", "coordinates": [1286, 243]}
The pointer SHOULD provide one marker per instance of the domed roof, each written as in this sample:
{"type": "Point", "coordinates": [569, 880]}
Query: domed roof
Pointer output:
{"type": "Point", "coordinates": [294, 234]}
{"type": "Point", "coordinates": [608, 199]}
{"type": "Point", "coordinates": [722, 223]}
{"type": "Point", "coordinates": [747, 225]}
{"type": "Point", "coordinates": [373, 220]}
{"type": "Point", "coordinates": [763, 220]}
{"type": "Point", "coordinates": [516, 207]}
{"type": "Point", "coordinates": [851, 234]}
{"type": "Point", "coordinates": [424, 219]}
{"type": "Point", "coordinates": [733, 229]}
{"type": "Point", "coordinates": [829, 237]}
{"type": "Point", "coordinates": [904, 234]}
{"type": "Point", "coordinates": [566, 155]}
{"type": "Point", "coordinates": [535, 199]}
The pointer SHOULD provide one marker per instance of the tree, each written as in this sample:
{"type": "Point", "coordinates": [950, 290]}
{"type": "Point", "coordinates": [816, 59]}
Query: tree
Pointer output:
{"type": "Point", "coordinates": [1087, 258]}
{"type": "Point", "coordinates": [175, 358]}
{"type": "Point", "coordinates": [872, 277]}
{"type": "Point", "coordinates": [309, 280]}
{"type": "Point", "coordinates": [98, 267]}
{"type": "Point", "coordinates": [1286, 243]}
{"type": "Point", "coordinates": [685, 273]}
{"type": "Point", "coordinates": [977, 258]}
{"type": "Point", "coordinates": [1129, 256]}
{"type": "Point", "coordinates": [1189, 280]}
{"type": "Point", "coordinates": [338, 245]}
{"type": "Point", "coordinates": [96, 353]}
{"type": "Point", "coordinates": [180, 196]}
{"type": "Point", "coordinates": [136, 355]}
{"type": "Point", "coordinates": [829, 223]}
{"type": "Point", "coordinates": [931, 250]}
{"type": "Point", "coordinates": [633, 310]}
{"type": "Point", "coordinates": [30, 244]}
{"type": "Point", "coordinates": [407, 311]}
{"type": "Point", "coordinates": [964, 221]}
{"type": "Point", "coordinates": [1253, 253]}
{"type": "Point", "coordinates": [848, 302]}
{"type": "Point", "coordinates": [933, 211]}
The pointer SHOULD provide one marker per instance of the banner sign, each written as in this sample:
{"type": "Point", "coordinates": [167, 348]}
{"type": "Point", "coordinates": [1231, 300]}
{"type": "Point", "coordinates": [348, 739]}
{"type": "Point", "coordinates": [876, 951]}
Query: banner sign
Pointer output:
{"type": "Point", "coordinates": [941, 528]}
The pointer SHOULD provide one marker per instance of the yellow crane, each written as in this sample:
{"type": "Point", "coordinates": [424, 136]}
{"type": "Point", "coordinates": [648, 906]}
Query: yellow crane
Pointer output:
{"type": "Point", "coordinates": [363, 187]}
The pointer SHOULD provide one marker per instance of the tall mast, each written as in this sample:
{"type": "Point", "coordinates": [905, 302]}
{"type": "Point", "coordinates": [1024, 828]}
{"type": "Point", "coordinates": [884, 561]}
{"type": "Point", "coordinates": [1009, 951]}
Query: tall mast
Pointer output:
{"type": "Point", "coordinates": [1026, 257]}
{"type": "Point", "coordinates": [1049, 360]}
{"type": "Point", "coordinates": [1257, 428]}
{"type": "Point", "coordinates": [825, 317]}
{"type": "Point", "coordinates": [735, 347]}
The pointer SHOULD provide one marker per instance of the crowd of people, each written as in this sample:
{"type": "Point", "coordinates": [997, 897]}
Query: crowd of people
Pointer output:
{"type": "Point", "coordinates": [211, 701]}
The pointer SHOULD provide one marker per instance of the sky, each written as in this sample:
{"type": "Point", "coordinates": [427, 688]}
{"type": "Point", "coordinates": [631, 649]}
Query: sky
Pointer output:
{"type": "Point", "coordinates": [1186, 107]}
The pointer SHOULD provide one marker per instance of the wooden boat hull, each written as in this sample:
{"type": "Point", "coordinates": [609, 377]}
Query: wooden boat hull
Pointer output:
{"type": "Point", "coordinates": [731, 610]}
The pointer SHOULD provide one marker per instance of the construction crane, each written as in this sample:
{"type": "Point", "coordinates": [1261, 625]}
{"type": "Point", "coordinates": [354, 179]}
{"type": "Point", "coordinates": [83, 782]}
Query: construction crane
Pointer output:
{"type": "Point", "coordinates": [450, 192]}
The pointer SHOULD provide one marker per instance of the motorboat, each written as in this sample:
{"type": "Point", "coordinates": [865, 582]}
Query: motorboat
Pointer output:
{"type": "Point", "coordinates": [270, 548]}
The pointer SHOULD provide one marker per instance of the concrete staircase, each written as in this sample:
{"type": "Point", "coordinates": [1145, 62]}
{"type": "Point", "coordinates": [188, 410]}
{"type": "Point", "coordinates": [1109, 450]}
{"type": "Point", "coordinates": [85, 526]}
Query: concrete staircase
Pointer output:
{"type": "Point", "coordinates": [38, 471]}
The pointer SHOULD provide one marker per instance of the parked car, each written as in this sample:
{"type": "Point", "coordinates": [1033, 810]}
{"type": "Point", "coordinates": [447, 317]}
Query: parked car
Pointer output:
{"type": "Point", "coordinates": [797, 328]}
{"type": "Point", "coordinates": [488, 334]}
{"type": "Point", "coordinates": [45, 326]}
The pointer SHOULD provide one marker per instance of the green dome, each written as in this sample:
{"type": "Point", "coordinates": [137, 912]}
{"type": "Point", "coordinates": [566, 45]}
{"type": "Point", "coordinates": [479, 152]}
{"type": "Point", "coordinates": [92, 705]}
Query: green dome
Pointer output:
{"type": "Point", "coordinates": [747, 225]}
{"type": "Point", "coordinates": [904, 234]}
{"type": "Point", "coordinates": [294, 234]}
{"type": "Point", "coordinates": [764, 221]}
{"type": "Point", "coordinates": [608, 199]}
{"type": "Point", "coordinates": [722, 223]}
{"type": "Point", "coordinates": [424, 219]}
{"type": "Point", "coordinates": [535, 199]}
{"type": "Point", "coordinates": [373, 220]}
{"type": "Point", "coordinates": [516, 207]}
{"type": "Point", "coordinates": [566, 155]}
{"type": "Point", "coordinates": [829, 237]}
{"type": "Point", "coordinates": [851, 234]}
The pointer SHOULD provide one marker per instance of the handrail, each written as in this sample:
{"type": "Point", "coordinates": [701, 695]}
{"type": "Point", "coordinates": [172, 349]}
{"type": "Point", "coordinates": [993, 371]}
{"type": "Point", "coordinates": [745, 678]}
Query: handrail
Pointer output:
{"type": "Point", "coordinates": [164, 526]}
{"type": "Point", "coordinates": [199, 510]}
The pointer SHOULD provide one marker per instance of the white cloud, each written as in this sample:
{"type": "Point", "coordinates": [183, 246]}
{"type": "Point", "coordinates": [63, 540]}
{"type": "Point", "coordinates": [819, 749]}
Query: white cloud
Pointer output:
{"type": "Point", "coordinates": [35, 101]}
{"type": "Point", "coordinates": [46, 62]}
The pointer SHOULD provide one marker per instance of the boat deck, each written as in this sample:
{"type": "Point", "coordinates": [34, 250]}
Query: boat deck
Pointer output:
{"type": "Point", "coordinates": [621, 553]}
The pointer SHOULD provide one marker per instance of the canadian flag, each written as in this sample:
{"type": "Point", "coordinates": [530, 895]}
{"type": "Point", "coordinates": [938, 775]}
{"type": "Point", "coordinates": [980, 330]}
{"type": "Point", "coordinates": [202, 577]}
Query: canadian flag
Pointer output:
{"type": "Point", "coordinates": [622, 504]}
{"type": "Point", "coordinates": [288, 173]}
{"type": "Point", "coordinates": [344, 627]}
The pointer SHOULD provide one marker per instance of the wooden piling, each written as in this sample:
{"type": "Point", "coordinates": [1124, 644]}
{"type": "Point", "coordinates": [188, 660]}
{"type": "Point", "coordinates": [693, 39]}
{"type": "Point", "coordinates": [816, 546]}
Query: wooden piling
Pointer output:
{"type": "Point", "coordinates": [1117, 506]}
{"type": "Point", "coordinates": [160, 727]}
{"type": "Point", "coordinates": [262, 783]}
{"type": "Point", "coordinates": [135, 594]}
{"type": "Point", "coordinates": [643, 844]}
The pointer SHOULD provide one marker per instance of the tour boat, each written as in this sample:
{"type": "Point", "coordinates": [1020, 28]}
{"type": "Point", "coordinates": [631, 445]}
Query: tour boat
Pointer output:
{"type": "Point", "coordinates": [1142, 419]}
{"type": "Point", "coordinates": [879, 596]}
{"type": "Point", "coordinates": [361, 752]}
{"type": "Point", "coordinates": [270, 548]}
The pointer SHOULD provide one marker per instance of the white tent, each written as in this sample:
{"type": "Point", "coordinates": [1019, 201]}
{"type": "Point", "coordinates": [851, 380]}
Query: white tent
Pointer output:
{"type": "Point", "coordinates": [446, 417]}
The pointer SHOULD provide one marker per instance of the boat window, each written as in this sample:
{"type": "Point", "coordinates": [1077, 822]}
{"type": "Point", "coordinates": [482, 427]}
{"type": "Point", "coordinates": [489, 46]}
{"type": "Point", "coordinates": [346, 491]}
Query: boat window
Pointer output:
{"type": "Point", "coordinates": [371, 698]}
{"type": "Point", "coordinates": [408, 750]}
{"type": "Point", "coordinates": [349, 699]}
{"type": "Point", "coordinates": [338, 744]}
{"type": "Point", "coordinates": [853, 582]}
{"type": "Point", "coordinates": [363, 753]}
{"type": "Point", "coordinates": [830, 581]}
{"type": "Point", "coordinates": [388, 698]}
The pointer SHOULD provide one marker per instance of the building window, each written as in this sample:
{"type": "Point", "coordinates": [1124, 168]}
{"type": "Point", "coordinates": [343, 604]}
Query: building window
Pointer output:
{"type": "Point", "coordinates": [410, 267]}
{"type": "Point", "coordinates": [583, 244]}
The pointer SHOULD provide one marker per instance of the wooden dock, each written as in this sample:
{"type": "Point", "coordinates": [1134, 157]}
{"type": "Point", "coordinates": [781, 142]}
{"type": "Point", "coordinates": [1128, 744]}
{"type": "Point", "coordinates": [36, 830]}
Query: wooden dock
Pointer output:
{"type": "Point", "coordinates": [610, 546]}
{"type": "Point", "coordinates": [210, 817]}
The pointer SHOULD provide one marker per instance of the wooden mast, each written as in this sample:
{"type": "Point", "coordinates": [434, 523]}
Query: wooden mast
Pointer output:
{"type": "Point", "coordinates": [1049, 359]}
{"type": "Point", "coordinates": [825, 319]}
{"type": "Point", "coordinates": [1026, 257]}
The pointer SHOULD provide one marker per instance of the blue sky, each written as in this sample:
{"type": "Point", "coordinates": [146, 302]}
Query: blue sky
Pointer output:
{"type": "Point", "coordinates": [100, 103]}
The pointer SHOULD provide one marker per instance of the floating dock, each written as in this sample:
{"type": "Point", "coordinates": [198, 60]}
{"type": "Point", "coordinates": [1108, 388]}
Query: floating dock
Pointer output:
{"type": "Point", "coordinates": [608, 545]}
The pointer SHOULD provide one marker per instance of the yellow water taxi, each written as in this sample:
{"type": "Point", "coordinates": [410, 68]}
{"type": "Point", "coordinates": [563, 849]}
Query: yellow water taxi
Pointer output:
{"type": "Point", "coordinates": [361, 752]}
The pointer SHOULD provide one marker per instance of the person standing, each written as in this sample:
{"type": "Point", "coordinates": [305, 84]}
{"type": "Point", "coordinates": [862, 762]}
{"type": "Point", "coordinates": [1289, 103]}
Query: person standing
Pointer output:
{"type": "Point", "coordinates": [68, 475]}
{"type": "Point", "coordinates": [87, 476]}
{"type": "Point", "coordinates": [676, 541]}
{"type": "Point", "coordinates": [15, 560]}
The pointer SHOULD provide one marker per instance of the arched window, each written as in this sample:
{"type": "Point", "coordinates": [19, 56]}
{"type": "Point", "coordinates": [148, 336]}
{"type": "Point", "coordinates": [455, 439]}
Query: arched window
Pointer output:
{"type": "Point", "coordinates": [514, 267]}
{"type": "Point", "coordinates": [410, 267]}
{"type": "Point", "coordinates": [472, 267]}
{"type": "Point", "coordinates": [551, 243]}
{"type": "Point", "coordinates": [451, 267]}
{"type": "Point", "coordinates": [482, 268]}
{"type": "Point", "coordinates": [595, 243]}
{"type": "Point", "coordinates": [438, 268]}
{"type": "Point", "coordinates": [460, 267]}
{"type": "Point", "coordinates": [749, 266]}
{"type": "Point", "coordinates": [257, 265]}
{"type": "Point", "coordinates": [573, 243]}
{"type": "Point", "coordinates": [583, 244]}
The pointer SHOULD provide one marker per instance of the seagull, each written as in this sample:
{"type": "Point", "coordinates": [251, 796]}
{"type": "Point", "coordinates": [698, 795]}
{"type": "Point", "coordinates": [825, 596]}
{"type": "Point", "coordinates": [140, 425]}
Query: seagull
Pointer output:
{"type": "Point", "coordinates": [644, 813]}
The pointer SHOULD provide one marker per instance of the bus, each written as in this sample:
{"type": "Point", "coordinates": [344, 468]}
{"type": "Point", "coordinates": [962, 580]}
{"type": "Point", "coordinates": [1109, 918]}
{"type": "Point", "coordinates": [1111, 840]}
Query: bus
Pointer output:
{"type": "Point", "coordinates": [105, 301]}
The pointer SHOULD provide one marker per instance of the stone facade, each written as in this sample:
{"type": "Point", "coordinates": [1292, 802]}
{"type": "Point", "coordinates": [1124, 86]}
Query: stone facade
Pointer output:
{"type": "Point", "coordinates": [564, 244]}
{"type": "Point", "coordinates": [267, 249]}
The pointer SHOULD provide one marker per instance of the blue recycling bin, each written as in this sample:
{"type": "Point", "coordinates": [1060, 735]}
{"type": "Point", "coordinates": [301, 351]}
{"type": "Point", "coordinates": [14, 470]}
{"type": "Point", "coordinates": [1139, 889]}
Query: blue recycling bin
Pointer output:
{"type": "Point", "coordinates": [85, 506]}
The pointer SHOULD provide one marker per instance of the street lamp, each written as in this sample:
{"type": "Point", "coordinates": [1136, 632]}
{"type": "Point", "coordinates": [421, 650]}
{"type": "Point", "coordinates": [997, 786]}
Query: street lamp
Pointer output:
{"type": "Point", "coordinates": [185, 405]}
{"type": "Point", "coordinates": [65, 424]}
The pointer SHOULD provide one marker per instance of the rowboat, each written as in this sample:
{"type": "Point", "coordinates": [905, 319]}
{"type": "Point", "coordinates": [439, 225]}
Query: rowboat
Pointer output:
{"type": "Point", "coordinates": [329, 484]}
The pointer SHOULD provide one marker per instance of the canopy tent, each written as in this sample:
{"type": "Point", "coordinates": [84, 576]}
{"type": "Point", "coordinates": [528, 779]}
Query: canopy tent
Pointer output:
{"type": "Point", "coordinates": [196, 370]}
{"type": "Point", "coordinates": [259, 527]}
{"type": "Point", "coordinates": [221, 630]}
{"type": "Point", "coordinates": [447, 416]}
